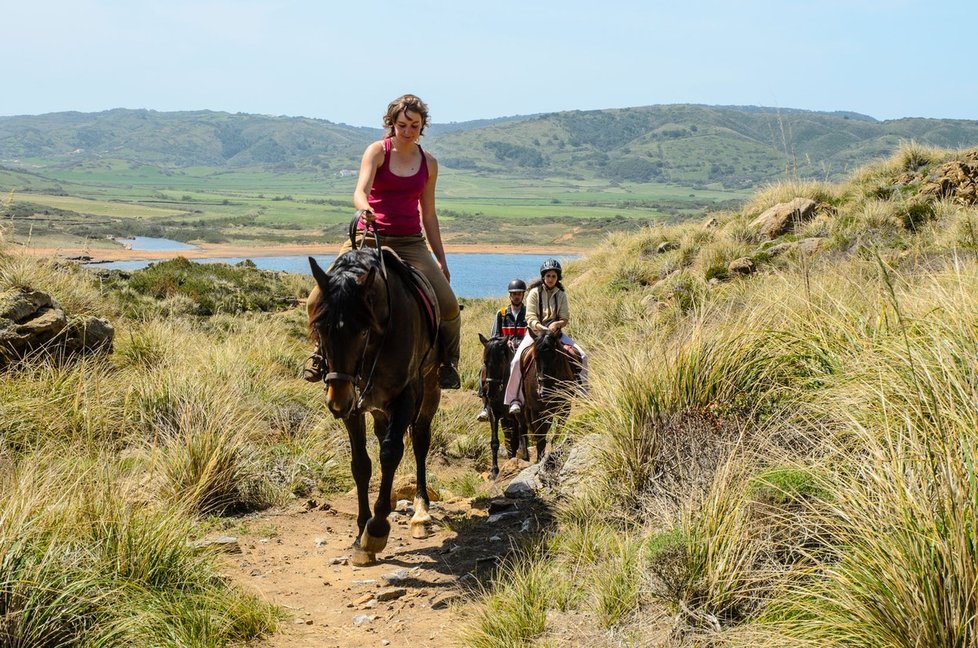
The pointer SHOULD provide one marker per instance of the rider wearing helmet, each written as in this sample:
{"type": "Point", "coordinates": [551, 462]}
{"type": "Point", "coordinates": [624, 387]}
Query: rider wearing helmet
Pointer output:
{"type": "Point", "coordinates": [546, 308]}
{"type": "Point", "coordinates": [510, 323]}
{"type": "Point", "coordinates": [511, 319]}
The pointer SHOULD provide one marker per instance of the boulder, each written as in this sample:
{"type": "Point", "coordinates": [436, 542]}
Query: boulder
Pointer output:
{"type": "Point", "coordinates": [31, 321]}
{"type": "Point", "coordinates": [783, 217]}
{"type": "Point", "coordinates": [20, 305]}
{"type": "Point", "coordinates": [957, 180]}
{"type": "Point", "coordinates": [525, 484]}
{"type": "Point", "coordinates": [88, 334]}
{"type": "Point", "coordinates": [405, 488]}
{"type": "Point", "coordinates": [580, 464]}
{"type": "Point", "coordinates": [805, 246]}
{"type": "Point", "coordinates": [742, 266]}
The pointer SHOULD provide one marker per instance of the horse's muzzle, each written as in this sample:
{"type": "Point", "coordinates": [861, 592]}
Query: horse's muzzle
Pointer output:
{"type": "Point", "coordinates": [340, 398]}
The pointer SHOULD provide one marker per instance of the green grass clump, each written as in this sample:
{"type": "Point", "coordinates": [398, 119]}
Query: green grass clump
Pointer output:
{"type": "Point", "coordinates": [516, 613]}
{"type": "Point", "coordinates": [210, 287]}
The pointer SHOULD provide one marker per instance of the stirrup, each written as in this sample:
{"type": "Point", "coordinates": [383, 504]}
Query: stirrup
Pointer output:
{"type": "Point", "coordinates": [448, 377]}
{"type": "Point", "coordinates": [515, 408]}
{"type": "Point", "coordinates": [312, 371]}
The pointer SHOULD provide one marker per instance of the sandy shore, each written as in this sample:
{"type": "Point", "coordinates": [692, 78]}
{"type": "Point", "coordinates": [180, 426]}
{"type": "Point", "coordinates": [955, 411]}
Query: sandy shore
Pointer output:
{"type": "Point", "coordinates": [211, 250]}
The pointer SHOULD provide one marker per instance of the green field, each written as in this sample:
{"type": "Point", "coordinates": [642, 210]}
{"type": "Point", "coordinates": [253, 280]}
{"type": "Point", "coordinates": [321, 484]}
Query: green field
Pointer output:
{"type": "Point", "coordinates": [56, 204]}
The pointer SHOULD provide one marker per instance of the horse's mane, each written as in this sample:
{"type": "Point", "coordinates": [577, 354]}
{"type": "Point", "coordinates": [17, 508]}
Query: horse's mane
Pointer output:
{"type": "Point", "coordinates": [548, 340]}
{"type": "Point", "coordinates": [342, 296]}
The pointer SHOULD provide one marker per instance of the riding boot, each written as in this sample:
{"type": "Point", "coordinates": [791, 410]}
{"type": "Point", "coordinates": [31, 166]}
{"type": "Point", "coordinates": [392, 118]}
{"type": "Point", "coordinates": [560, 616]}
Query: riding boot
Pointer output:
{"type": "Point", "coordinates": [450, 335]}
{"type": "Point", "coordinates": [315, 366]}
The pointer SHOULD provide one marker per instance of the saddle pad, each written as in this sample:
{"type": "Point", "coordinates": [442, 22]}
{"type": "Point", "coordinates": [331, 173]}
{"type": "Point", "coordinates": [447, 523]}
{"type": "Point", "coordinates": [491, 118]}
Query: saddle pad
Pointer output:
{"type": "Point", "coordinates": [421, 289]}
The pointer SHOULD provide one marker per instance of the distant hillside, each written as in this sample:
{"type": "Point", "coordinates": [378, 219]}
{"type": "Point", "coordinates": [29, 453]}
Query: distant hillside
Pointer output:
{"type": "Point", "coordinates": [690, 145]}
{"type": "Point", "coordinates": [694, 145]}
{"type": "Point", "coordinates": [199, 138]}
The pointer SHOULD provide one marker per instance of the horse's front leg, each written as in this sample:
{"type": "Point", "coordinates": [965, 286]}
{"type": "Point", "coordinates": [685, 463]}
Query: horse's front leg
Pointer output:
{"type": "Point", "coordinates": [360, 466]}
{"type": "Point", "coordinates": [494, 442]}
{"type": "Point", "coordinates": [519, 441]}
{"type": "Point", "coordinates": [542, 433]}
{"type": "Point", "coordinates": [390, 433]}
{"type": "Point", "coordinates": [421, 441]}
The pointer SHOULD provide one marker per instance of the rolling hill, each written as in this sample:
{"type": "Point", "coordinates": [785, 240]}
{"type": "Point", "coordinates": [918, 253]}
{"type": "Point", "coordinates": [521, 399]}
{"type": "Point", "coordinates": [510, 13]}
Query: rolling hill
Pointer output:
{"type": "Point", "coordinates": [689, 145]}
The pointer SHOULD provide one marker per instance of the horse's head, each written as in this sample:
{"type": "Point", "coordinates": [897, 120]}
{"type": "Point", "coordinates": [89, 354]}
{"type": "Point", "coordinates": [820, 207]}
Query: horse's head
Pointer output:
{"type": "Point", "coordinates": [553, 365]}
{"type": "Point", "coordinates": [496, 356]}
{"type": "Point", "coordinates": [347, 315]}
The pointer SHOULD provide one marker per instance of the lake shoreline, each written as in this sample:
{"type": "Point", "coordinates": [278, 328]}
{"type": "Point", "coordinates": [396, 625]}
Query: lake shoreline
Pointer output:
{"type": "Point", "coordinates": [221, 250]}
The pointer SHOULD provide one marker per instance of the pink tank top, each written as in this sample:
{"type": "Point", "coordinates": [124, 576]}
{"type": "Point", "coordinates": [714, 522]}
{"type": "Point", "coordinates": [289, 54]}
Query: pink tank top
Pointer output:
{"type": "Point", "coordinates": [395, 199]}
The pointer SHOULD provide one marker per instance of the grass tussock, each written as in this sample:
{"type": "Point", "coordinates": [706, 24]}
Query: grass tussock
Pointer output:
{"type": "Point", "coordinates": [96, 570]}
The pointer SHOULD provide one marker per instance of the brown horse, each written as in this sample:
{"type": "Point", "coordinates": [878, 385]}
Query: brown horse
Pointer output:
{"type": "Point", "coordinates": [379, 348]}
{"type": "Point", "coordinates": [497, 354]}
{"type": "Point", "coordinates": [549, 381]}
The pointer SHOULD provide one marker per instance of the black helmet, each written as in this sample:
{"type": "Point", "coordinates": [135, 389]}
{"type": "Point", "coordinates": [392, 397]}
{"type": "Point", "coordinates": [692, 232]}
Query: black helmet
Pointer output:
{"type": "Point", "coordinates": [517, 285]}
{"type": "Point", "coordinates": [551, 264]}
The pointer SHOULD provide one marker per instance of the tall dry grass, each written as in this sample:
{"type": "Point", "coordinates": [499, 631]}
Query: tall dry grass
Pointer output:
{"type": "Point", "coordinates": [83, 563]}
{"type": "Point", "coordinates": [110, 463]}
{"type": "Point", "coordinates": [794, 451]}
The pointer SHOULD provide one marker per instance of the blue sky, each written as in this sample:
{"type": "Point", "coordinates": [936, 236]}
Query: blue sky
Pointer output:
{"type": "Point", "coordinates": [343, 60]}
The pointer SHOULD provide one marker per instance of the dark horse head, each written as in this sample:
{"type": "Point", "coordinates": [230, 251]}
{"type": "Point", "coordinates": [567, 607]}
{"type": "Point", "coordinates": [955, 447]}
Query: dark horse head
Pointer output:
{"type": "Point", "coordinates": [555, 372]}
{"type": "Point", "coordinates": [497, 355]}
{"type": "Point", "coordinates": [548, 384]}
{"type": "Point", "coordinates": [350, 317]}
{"type": "Point", "coordinates": [374, 335]}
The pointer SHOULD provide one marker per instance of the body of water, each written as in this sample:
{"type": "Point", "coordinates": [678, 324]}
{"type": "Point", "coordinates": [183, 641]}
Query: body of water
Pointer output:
{"type": "Point", "coordinates": [473, 275]}
{"type": "Point", "coordinates": [154, 244]}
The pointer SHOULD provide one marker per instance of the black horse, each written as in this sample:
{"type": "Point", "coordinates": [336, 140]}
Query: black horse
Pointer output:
{"type": "Point", "coordinates": [379, 347]}
{"type": "Point", "coordinates": [497, 354]}
{"type": "Point", "coordinates": [549, 381]}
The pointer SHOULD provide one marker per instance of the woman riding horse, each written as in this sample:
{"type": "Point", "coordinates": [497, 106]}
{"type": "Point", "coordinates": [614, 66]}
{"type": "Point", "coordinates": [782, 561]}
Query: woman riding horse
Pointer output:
{"type": "Point", "coordinates": [395, 193]}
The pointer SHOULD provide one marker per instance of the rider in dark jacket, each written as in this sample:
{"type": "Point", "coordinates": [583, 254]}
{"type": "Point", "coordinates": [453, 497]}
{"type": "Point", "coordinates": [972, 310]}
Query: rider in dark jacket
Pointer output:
{"type": "Point", "coordinates": [510, 323]}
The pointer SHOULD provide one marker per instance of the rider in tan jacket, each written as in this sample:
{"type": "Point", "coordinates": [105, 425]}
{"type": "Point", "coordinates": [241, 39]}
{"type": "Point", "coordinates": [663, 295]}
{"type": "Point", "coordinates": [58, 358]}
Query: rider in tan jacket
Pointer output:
{"type": "Point", "coordinates": [546, 308]}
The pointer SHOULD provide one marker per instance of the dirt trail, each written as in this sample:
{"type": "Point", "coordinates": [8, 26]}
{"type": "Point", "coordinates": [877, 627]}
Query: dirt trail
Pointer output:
{"type": "Point", "coordinates": [296, 558]}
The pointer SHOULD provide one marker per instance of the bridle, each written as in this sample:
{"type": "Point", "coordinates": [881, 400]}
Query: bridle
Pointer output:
{"type": "Point", "coordinates": [488, 381]}
{"type": "Point", "coordinates": [355, 379]}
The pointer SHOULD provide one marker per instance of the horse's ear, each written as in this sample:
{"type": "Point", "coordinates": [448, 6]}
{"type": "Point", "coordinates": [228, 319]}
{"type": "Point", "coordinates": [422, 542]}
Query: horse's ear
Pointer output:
{"type": "Point", "coordinates": [367, 278]}
{"type": "Point", "coordinates": [317, 273]}
{"type": "Point", "coordinates": [483, 339]}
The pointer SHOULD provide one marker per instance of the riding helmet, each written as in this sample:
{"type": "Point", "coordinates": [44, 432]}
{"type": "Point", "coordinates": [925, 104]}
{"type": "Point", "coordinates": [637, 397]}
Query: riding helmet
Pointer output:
{"type": "Point", "coordinates": [551, 264]}
{"type": "Point", "coordinates": [517, 285]}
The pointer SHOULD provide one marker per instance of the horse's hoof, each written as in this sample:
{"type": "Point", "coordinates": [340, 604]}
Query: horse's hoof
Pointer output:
{"type": "Point", "coordinates": [419, 530]}
{"type": "Point", "coordinates": [493, 474]}
{"type": "Point", "coordinates": [372, 544]}
{"type": "Point", "coordinates": [361, 558]}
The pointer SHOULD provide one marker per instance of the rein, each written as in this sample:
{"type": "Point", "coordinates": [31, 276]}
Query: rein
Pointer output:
{"type": "Point", "coordinates": [336, 375]}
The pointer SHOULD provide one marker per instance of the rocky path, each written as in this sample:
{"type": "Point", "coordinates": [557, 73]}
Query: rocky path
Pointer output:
{"type": "Point", "coordinates": [298, 559]}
